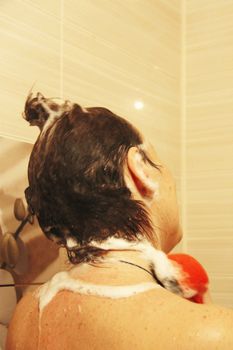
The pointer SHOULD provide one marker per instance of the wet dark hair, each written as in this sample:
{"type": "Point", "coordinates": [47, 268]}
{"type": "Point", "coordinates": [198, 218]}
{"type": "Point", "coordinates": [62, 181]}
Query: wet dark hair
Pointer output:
{"type": "Point", "coordinates": [76, 180]}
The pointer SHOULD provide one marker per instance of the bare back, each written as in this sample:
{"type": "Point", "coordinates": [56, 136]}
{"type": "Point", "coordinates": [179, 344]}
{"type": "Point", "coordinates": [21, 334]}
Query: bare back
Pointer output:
{"type": "Point", "coordinates": [155, 319]}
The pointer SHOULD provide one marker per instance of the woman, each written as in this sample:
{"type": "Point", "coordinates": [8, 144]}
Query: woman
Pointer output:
{"type": "Point", "coordinates": [101, 191]}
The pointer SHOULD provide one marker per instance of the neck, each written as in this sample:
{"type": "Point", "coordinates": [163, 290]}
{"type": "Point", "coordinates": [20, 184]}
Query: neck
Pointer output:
{"type": "Point", "coordinates": [140, 255]}
{"type": "Point", "coordinates": [117, 267]}
{"type": "Point", "coordinates": [137, 252]}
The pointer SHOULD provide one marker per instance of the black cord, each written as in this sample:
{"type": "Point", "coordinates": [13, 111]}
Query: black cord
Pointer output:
{"type": "Point", "coordinates": [152, 272]}
{"type": "Point", "coordinates": [140, 267]}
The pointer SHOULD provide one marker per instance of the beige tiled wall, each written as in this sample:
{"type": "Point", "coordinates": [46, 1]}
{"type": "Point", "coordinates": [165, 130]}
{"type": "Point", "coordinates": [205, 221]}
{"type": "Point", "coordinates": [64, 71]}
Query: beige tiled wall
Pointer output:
{"type": "Point", "coordinates": [107, 53]}
{"type": "Point", "coordinates": [30, 54]}
{"type": "Point", "coordinates": [209, 140]}
{"type": "Point", "coordinates": [117, 52]}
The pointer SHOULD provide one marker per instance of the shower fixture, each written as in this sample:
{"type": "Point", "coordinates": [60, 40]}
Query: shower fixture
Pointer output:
{"type": "Point", "coordinates": [9, 242]}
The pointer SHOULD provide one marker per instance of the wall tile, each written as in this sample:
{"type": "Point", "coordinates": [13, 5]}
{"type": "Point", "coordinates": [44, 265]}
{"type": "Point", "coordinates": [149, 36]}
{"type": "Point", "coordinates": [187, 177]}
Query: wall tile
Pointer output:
{"type": "Point", "coordinates": [30, 54]}
{"type": "Point", "coordinates": [120, 52]}
{"type": "Point", "coordinates": [209, 143]}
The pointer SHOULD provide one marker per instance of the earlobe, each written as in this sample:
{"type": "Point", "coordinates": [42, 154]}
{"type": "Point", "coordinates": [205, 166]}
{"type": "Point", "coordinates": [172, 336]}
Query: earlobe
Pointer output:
{"type": "Point", "coordinates": [140, 174]}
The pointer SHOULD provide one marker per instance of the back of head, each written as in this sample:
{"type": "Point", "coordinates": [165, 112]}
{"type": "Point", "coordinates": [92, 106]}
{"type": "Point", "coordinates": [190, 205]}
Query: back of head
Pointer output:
{"type": "Point", "coordinates": [76, 174]}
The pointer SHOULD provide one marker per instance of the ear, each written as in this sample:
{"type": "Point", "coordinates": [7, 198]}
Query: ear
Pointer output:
{"type": "Point", "coordinates": [140, 174]}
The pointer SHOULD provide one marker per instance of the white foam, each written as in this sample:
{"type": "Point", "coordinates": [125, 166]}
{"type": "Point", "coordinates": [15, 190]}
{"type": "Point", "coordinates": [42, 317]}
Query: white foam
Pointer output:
{"type": "Point", "coordinates": [71, 242]}
{"type": "Point", "coordinates": [164, 268]}
{"type": "Point", "coordinates": [63, 281]}
{"type": "Point", "coordinates": [52, 115]}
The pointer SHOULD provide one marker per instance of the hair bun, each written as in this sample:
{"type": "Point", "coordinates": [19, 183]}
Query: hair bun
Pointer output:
{"type": "Point", "coordinates": [38, 109]}
{"type": "Point", "coordinates": [34, 111]}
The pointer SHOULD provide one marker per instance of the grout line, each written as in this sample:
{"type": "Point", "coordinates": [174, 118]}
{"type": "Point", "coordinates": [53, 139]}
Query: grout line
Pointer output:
{"type": "Point", "coordinates": [183, 126]}
{"type": "Point", "coordinates": [61, 47]}
{"type": "Point", "coordinates": [210, 238]}
{"type": "Point", "coordinates": [15, 137]}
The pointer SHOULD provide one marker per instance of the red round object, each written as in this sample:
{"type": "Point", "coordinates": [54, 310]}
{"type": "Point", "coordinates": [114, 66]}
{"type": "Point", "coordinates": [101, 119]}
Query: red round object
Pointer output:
{"type": "Point", "coordinates": [194, 275]}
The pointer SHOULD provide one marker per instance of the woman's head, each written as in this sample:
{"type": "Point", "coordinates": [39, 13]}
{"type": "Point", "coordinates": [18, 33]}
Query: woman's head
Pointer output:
{"type": "Point", "coordinates": [78, 187]}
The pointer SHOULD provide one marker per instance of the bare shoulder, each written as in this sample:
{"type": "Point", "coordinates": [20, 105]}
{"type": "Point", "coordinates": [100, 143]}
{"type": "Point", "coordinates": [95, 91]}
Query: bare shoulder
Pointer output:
{"type": "Point", "coordinates": [155, 319]}
{"type": "Point", "coordinates": [187, 325]}
{"type": "Point", "coordinates": [23, 329]}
